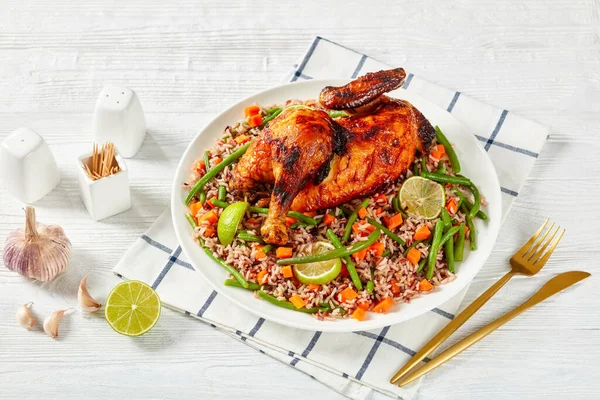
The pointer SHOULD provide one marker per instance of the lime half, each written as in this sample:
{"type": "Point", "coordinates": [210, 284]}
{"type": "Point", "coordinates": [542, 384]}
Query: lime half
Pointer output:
{"type": "Point", "coordinates": [422, 197]}
{"type": "Point", "coordinates": [319, 272]}
{"type": "Point", "coordinates": [132, 308]}
{"type": "Point", "coordinates": [229, 220]}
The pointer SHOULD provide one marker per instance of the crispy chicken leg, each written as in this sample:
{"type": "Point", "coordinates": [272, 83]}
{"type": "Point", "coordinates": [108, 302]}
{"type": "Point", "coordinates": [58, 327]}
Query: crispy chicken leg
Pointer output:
{"type": "Point", "coordinates": [318, 163]}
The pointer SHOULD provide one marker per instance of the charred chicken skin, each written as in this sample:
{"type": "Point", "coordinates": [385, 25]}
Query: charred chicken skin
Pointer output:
{"type": "Point", "coordinates": [316, 162]}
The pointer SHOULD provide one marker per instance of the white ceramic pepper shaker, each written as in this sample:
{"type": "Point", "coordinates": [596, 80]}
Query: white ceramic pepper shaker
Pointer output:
{"type": "Point", "coordinates": [119, 118]}
{"type": "Point", "coordinates": [106, 196]}
{"type": "Point", "coordinates": [28, 168]}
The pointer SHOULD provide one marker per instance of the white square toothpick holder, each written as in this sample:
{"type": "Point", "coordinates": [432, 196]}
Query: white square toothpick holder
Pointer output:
{"type": "Point", "coordinates": [119, 118]}
{"type": "Point", "coordinates": [106, 196]}
{"type": "Point", "coordinates": [27, 167]}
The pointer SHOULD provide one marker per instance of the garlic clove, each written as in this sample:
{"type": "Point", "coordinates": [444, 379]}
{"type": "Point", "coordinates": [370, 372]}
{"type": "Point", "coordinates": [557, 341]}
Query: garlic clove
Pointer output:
{"type": "Point", "coordinates": [86, 302]}
{"type": "Point", "coordinates": [25, 317]}
{"type": "Point", "coordinates": [52, 322]}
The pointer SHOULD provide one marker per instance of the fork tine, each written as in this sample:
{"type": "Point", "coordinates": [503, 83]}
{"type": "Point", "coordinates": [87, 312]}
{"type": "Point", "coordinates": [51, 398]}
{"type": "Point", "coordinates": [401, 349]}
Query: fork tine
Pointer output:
{"type": "Point", "coordinates": [527, 245]}
{"type": "Point", "coordinates": [538, 243]}
{"type": "Point", "coordinates": [533, 257]}
{"type": "Point", "coordinates": [542, 260]}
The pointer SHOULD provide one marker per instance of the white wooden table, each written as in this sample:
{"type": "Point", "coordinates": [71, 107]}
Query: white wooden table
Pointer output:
{"type": "Point", "coordinates": [187, 61]}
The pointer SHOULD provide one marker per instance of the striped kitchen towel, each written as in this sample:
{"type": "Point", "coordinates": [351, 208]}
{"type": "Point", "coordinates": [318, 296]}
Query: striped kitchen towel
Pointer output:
{"type": "Point", "coordinates": [358, 364]}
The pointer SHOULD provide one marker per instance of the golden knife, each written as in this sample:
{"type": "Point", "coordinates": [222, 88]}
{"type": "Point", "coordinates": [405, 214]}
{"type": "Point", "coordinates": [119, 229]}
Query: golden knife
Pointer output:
{"type": "Point", "coordinates": [553, 286]}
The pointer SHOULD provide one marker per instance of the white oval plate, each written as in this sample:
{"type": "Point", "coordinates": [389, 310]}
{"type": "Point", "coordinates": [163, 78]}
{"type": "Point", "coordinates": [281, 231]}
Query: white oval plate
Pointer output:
{"type": "Point", "coordinates": [475, 164]}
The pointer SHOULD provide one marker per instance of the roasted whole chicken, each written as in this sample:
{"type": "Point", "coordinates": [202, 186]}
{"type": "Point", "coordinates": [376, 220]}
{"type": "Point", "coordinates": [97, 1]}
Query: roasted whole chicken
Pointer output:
{"type": "Point", "coordinates": [315, 162]}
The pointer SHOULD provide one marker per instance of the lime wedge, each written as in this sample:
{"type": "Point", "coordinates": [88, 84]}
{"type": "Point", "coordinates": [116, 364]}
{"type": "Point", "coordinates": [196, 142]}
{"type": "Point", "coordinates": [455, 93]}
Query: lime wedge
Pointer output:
{"type": "Point", "coordinates": [229, 221]}
{"type": "Point", "coordinates": [132, 308]}
{"type": "Point", "coordinates": [422, 197]}
{"type": "Point", "coordinates": [319, 272]}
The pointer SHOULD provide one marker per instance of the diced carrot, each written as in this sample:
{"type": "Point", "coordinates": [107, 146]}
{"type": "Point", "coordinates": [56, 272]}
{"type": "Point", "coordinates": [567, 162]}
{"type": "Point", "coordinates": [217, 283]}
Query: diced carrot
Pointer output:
{"type": "Point", "coordinates": [251, 110]}
{"type": "Point", "coordinates": [422, 233]}
{"type": "Point", "coordinates": [287, 271]}
{"type": "Point", "coordinates": [328, 219]}
{"type": "Point", "coordinates": [360, 255]}
{"type": "Point", "coordinates": [363, 304]}
{"type": "Point", "coordinates": [386, 220]}
{"type": "Point", "coordinates": [261, 276]}
{"type": "Point", "coordinates": [356, 229]}
{"type": "Point", "coordinates": [380, 198]}
{"type": "Point", "coordinates": [378, 210]}
{"type": "Point", "coordinates": [362, 212]}
{"type": "Point", "coordinates": [395, 221]}
{"type": "Point", "coordinates": [452, 206]}
{"type": "Point", "coordinates": [283, 252]}
{"type": "Point", "coordinates": [255, 120]}
{"type": "Point", "coordinates": [208, 218]}
{"type": "Point", "coordinates": [359, 314]}
{"type": "Point", "coordinates": [383, 305]}
{"type": "Point", "coordinates": [200, 167]}
{"type": "Point", "coordinates": [344, 272]}
{"type": "Point", "coordinates": [425, 286]}
{"type": "Point", "coordinates": [314, 286]}
{"type": "Point", "coordinates": [297, 301]}
{"type": "Point", "coordinates": [209, 202]}
{"type": "Point", "coordinates": [195, 208]}
{"type": "Point", "coordinates": [242, 139]}
{"type": "Point", "coordinates": [259, 253]}
{"type": "Point", "coordinates": [377, 248]}
{"type": "Point", "coordinates": [414, 256]}
{"type": "Point", "coordinates": [210, 232]}
{"type": "Point", "coordinates": [395, 287]}
{"type": "Point", "coordinates": [311, 214]}
{"type": "Point", "coordinates": [438, 151]}
{"type": "Point", "coordinates": [217, 161]}
{"type": "Point", "coordinates": [289, 221]}
{"type": "Point", "coordinates": [348, 294]}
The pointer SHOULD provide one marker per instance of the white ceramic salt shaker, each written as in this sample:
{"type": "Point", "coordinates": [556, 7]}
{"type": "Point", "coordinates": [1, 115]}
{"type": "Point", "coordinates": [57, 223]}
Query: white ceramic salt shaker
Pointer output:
{"type": "Point", "coordinates": [106, 196]}
{"type": "Point", "coordinates": [119, 118]}
{"type": "Point", "coordinates": [28, 168]}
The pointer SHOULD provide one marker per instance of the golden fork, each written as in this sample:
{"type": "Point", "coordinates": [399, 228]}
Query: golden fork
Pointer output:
{"type": "Point", "coordinates": [529, 260]}
{"type": "Point", "coordinates": [553, 286]}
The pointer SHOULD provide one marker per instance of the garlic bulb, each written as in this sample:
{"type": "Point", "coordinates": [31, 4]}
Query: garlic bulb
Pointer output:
{"type": "Point", "coordinates": [86, 302]}
{"type": "Point", "coordinates": [24, 316]}
{"type": "Point", "coordinates": [39, 251]}
{"type": "Point", "coordinates": [52, 322]}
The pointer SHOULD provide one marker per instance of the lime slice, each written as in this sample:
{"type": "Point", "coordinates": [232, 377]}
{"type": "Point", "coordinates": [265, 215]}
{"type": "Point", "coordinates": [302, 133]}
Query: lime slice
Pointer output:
{"type": "Point", "coordinates": [132, 308]}
{"type": "Point", "coordinates": [229, 220]}
{"type": "Point", "coordinates": [422, 197]}
{"type": "Point", "coordinates": [319, 272]}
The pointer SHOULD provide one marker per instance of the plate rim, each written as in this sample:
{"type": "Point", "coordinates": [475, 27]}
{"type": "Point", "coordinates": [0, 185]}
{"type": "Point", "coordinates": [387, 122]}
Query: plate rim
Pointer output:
{"type": "Point", "coordinates": [325, 326]}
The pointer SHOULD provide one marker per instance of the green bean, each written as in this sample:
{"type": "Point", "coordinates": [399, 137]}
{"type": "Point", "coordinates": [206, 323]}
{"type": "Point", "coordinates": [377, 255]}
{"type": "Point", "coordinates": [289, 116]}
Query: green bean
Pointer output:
{"type": "Point", "coordinates": [230, 159]}
{"type": "Point", "coordinates": [236, 274]}
{"type": "Point", "coordinates": [386, 253]}
{"type": "Point", "coordinates": [397, 208]}
{"type": "Point", "coordinates": [415, 168]}
{"type": "Point", "coordinates": [472, 234]}
{"type": "Point", "coordinates": [446, 218]}
{"type": "Point", "coordinates": [421, 264]}
{"type": "Point", "coordinates": [441, 138]}
{"type": "Point", "coordinates": [341, 310]}
{"type": "Point", "coordinates": [347, 212]}
{"type": "Point", "coordinates": [433, 249]}
{"type": "Point", "coordinates": [234, 283]}
{"type": "Point", "coordinates": [248, 237]}
{"type": "Point", "coordinates": [449, 252]}
{"type": "Point", "coordinates": [337, 113]}
{"type": "Point", "coordinates": [336, 253]}
{"type": "Point", "coordinates": [267, 248]}
{"type": "Point", "coordinates": [301, 217]}
{"type": "Point", "coordinates": [207, 160]}
{"type": "Point", "coordinates": [270, 117]}
{"type": "Point", "coordinates": [272, 110]}
{"type": "Point", "coordinates": [460, 243]}
{"type": "Point", "coordinates": [222, 196]}
{"type": "Point", "coordinates": [448, 236]}
{"type": "Point", "coordinates": [480, 214]}
{"type": "Point", "coordinates": [385, 230]}
{"type": "Point", "coordinates": [352, 220]}
{"type": "Point", "coordinates": [325, 307]}
{"type": "Point", "coordinates": [476, 201]}
{"type": "Point", "coordinates": [219, 203]}
{"type": "Point", "coordinates": [297, 224]}
{"type": "Point", "coordinates": [286, 304]}
{"type": "Point", "coordinates": [349, 264]}
{"type": "Point", "coordinates": [441, 168]}
{"type": "Point", "coordinates": [424, 165]}
{"type": "Point", "coordinates": [202, 197]}
{"type": "Point", "coordinates": [457, 180]}
{"type": "Point", "coordinates": [191, 220]}
{"type": "Point", "coordinates": [259, 210]}
{"type": "Point", "coordinates": [370, 287]}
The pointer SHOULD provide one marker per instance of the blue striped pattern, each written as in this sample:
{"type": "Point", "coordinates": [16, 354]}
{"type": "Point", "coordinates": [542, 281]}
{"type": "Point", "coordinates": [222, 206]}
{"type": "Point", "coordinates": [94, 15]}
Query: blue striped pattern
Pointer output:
{"type": "Point", "coordinates": [371, 354]}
